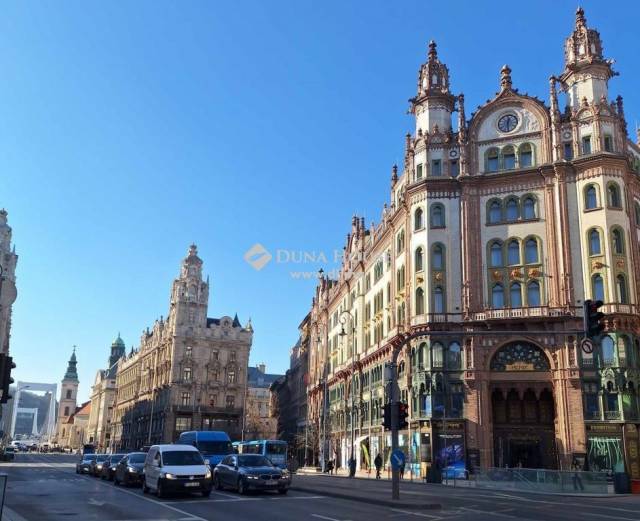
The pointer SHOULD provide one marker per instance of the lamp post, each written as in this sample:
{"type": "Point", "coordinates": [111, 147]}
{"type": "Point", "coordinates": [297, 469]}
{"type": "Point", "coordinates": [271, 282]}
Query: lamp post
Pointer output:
{"type": "Point", "coordinates": [345, 317]}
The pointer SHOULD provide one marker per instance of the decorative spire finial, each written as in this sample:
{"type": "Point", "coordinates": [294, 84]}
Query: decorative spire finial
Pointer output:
{"type": "Point", "coordinates": [505, 77]}
{"type": "Point", "coordinates": [433, 53]}
{"type": "Point", "coordinates": [193, 249]}
{"type": "Point", "coordinates": [581, 21]}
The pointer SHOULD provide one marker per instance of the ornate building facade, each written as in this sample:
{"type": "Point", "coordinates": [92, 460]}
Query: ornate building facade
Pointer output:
{"type": "Point", "coordinates": [103, 396]}
{"type": "Point", "coordinates": [189, 373]}
{"type": "Point", "coordinates": [8, 292]}
{"type": "Point", "coordinates": [498, 228]}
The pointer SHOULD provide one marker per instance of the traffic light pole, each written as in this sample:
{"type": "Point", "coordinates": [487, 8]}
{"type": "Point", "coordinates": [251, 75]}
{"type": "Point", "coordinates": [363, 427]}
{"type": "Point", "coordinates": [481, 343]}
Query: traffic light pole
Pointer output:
{"type": "Point", "coordinates": [395, 400]}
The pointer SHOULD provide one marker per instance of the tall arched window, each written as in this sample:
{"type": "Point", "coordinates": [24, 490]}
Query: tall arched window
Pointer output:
{"type": "Point", "coordinates": [68, 394]}
{"type": "Point", "coordinates": [493, 160]}
{"type": "Point", "coordinates": [529, 208]}
{"type": "Point", "coordinates": [621, 289]}
{"type": "Point", "coordinates": [594, 242]}
{"type": "Point", "coordinates": [497, 296]}
{"type": "Point", "coordinates": [513, 252]}
{"type": "Point", "coordinates": [512, 209]}
{"type": "Point", "coordinates": [437, 257]}
{"type": "Point", "coordinates": [496, 254]}
{"type": "Point", "coordinates": [419, 259]}
{"type": "Point", "coordinates": [533, 293]}
{"type": "Point", "coordinates": [591, 197]}
{"type": "Point", "coordinates": [437, 216]}
{"type": "Point", "coordinates": [419, 301]}
{"type": "Point", "coordinates": [437, 354]}
{"type": "Point", "coordinates": [454, 358]}
{"type": "Point", "coordinates": [608, 350]}
{"type": "Point", "coordinates": [531, 251]}
{"type": "Point", "coordinates": [515, 295]}
{"type": "Point", "coordinates": [526, 155]}
{"type": "Point", "coordinates": [418, 219]}
{"type": "Point", "coordinates": [508, 158]}
{"type": "Point", "coordinates": [597, 287]}
{"type": "Point", "coordinates": [400, 242]}
{"type": "Point", "coordinates": [617, 241]}
{"type": "Point", "coordinates": [438, 300]}
{"type": "Point", "coordinates": [495, 212]}
{"type": "Point", "coordinates": [613, 196]}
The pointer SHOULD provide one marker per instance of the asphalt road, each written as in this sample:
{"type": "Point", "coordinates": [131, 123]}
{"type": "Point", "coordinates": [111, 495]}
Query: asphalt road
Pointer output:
{"type": "Point", "coordinates": [46, 487]}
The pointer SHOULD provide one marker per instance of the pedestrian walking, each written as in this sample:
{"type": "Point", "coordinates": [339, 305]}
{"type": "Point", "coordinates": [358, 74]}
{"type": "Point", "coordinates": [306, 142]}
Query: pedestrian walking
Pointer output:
{"type": "Point", "coordinates": [378, 463]}
{"type": "Point", "coordinates": [577, 479]}
{"type": "Point", "coordinates": [352, 467]}
{"type": "Point", "coordinates": [402, 470]}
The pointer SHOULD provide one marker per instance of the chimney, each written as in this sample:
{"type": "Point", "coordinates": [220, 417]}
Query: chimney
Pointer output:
{"type": "Point", "coordinates": [262, 368]}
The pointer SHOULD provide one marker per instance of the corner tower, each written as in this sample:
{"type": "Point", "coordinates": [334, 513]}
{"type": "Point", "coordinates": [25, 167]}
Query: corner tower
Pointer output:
{"type": "Point", "coordinates": [68, 394]}
{"type": "Point", "coordinates": [189, 294]}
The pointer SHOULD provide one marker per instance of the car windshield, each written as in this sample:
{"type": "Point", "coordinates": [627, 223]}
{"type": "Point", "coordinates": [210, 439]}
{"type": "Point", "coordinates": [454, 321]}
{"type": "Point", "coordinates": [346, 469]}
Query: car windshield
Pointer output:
{"type": "Point", "coordinates": [89, 459]}
{"type": "Point", "coordinates": [115, 458]}
{"type": "Point", "coordinates": [253, 460]}
{"type": "Point", "coordinates": [215, 447]}
{"type": "Point", "coordinates": [182, 457]}
{"type": "Point", "coordinates": [276, 448]}
{"type": "Point", "coordinates": [137, 458]}
{"type": "Point", "coordinates": [101, 457]}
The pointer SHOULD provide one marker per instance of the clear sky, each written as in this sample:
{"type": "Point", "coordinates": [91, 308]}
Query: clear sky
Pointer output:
{"type": "Point", "coordinates": [130, 129]}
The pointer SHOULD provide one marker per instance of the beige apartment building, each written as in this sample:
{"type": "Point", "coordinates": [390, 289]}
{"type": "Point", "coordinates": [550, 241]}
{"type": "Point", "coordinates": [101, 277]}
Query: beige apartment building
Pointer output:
{"type": "Point", "coordinates": [501, 222]}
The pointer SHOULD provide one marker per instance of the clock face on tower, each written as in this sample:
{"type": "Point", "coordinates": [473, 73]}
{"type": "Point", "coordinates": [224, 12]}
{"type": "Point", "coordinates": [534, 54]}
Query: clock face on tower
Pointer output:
{"type": "Point", "coordinates": [507, 123]}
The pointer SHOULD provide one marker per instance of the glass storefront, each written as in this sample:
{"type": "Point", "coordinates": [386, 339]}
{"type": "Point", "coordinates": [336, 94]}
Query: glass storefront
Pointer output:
{"type": "Point", "coordinates": [605, 453]}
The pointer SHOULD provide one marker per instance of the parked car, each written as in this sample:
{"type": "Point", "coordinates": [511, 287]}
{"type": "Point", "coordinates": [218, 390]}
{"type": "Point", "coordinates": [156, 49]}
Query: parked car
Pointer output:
{"type": "Point", "coordinates": [109, 466]}
{"type": "Point", "coordinates": [130, 469]}
{"type": "Point", "coordinates": [8, 453]}
{"type": "Point", "coordinates": [84, 465]}
{"type": "Point", "coordinates": [246, 472]}
{"type": "Point", "coordinates": [176, 468]}
{"type": "Point", "coordinates": [96, 465]}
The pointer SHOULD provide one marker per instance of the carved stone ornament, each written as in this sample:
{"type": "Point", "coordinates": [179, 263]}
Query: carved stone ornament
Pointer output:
{"type": "Point", "coordinates": [437, 276]}
{"type": "Point", "coordinates": [535, 272]}
{"type": "Point", "coordinates": [620, 263]}
{"type": "Point", "coordinates": [497, 275]}
{"type": "Point", "coordinates": [516, 274]}
{"type": "Point", "coordinates": [597, 265]}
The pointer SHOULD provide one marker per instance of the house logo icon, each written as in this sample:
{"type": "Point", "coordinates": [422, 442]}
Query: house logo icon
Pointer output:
{"type": "Point", "coordinates": [257, 256]}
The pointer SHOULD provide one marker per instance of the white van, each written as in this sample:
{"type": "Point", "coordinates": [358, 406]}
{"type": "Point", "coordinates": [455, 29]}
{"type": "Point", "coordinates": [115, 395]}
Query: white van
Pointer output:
{"type": "Point", "coordinates": [176, 468]}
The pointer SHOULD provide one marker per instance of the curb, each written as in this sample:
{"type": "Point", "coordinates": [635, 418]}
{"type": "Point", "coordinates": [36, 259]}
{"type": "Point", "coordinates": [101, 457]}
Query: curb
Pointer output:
{"type": "Point", "coordinates": [371, 501]}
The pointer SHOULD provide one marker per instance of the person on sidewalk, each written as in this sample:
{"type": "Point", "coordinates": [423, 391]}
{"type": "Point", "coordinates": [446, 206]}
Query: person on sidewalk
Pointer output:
{"type": "Point", "coordinates": [378, 463]}
{"type": "Point", "coordinates": [402, 471]}
{"type": "Point", "coordinates": [352, 467]}
{"type": "Point", "coordinates": [577, 479]}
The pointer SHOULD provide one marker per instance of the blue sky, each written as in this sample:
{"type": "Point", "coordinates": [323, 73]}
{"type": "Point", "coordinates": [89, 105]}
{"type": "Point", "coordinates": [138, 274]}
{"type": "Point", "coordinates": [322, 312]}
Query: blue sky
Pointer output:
{"type": "Point", "coordinates": [129, 130]}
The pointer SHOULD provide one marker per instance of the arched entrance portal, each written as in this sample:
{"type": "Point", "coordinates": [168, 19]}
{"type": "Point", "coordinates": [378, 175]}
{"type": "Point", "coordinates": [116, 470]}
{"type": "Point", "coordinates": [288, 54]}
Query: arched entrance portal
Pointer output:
{"type": "Point", "coordinates": [522, 407]}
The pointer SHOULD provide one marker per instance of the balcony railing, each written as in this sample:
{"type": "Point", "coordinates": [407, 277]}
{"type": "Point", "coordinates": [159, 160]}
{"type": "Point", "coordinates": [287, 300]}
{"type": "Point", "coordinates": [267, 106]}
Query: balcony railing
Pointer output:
{"type": "Point", "coordinates": [612, 415]}
{"type": "Point", "coordinates": [625, 309]}
{"type": "Point", "coordinates": [592, 415]}
{"type": "Point", "coordinates": [528, 312]}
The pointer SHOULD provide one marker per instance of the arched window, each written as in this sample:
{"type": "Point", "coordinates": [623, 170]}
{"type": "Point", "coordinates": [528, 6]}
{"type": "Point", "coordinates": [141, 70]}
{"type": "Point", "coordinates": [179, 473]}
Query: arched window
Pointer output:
{"type": "Point", "coordinates": [438, 300]}
{"type": "Point", "coordinates": [497, 296]}
{"type": "Point", "coordinates": [493, 160]}
{"type": "Point", "coordinates": [526, 155]}
{"type": "Point", "coordinates": [513, 252]}
{"type": "Point", "coordinates": [533, 293]}
{"type": "Point", "coordinates": [454, 358]}
{"type": "Point", "coordinates": [531, 251]}
{"type": "Point", "coordinates": [515, 295]}
{"type": "Point", "coordinates": [617, 241]}
{"type": "Point", "coordinates": [608, 350]}
{"type": "Point", "coordinates": [529, 208]}
{"type": "Point", "coordinates": [437, 257]}
{"type": "Point", "coordinates": [400, 242]}
{"type": "Point", "coordinates": [512, 209]}
{"type": "Point", "coordinates": [508, 158]}
{"type": "Point", "coordinates": [591, 197]}
{"type": "Point", "coordinates": [597, 287]}
{"type": "Point", "coordinates": [419, 301]}
{"type": "Point", "coordinates": [495, 212]}
{"type": "Point", "coordinates": [496, 254]}
{"type": "Point", "coordinates": [418, 219]}
{"type": "Point", "coordinates": [66, 411]}
{"type": "Point", "coordinates": [613, 196]}
{"type": "Point", "coordinates": [636, 205]}
{"type": "Point", "coordinates": [419, 259]}
{"type": "Point", "coordinates": [594, 242]}
{"type": "Point", "coordinates": [621, 289]}
{"type": "Point", "coordinates": [437, 354]}
{"type": "Point", "coordinates": [68, 394]}
{"type": "Point", "coordinates": [437, 216]}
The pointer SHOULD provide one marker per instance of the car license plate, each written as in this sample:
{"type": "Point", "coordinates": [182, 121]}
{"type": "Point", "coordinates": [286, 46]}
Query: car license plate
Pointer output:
{"type": "Point", "coordinates": [192, 484]}
{"type": "Point", "coordinates": [271, 482]}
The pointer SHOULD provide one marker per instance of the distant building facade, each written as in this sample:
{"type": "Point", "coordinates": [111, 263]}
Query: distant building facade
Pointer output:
{"type": "Point", "coordinates": [189, 373]}
{"type": "Point", "coordinates": [259, 423]}
{"type": "Point", "coordinates": [74, 430]}
{"type": "Point", "coordinates": [103, 396]}
{"type": "Point", "coordinates": [8, 291]}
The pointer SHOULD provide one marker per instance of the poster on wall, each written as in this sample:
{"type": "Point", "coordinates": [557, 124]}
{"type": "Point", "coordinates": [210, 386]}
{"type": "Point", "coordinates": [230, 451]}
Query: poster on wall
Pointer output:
{"type": "Point", "coordinates": [450, 455]}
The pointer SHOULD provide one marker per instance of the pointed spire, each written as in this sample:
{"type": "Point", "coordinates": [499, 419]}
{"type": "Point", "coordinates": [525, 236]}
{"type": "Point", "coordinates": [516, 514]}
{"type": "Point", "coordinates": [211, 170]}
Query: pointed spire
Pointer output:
{"type": "Point", "coordinates": [505, 78]}
{"type": "Point", "coordinates": [249, 326]}
{"type": "Point", "coordinates": [433, 53]}
{"type": "Point", "coordinates": [553, 97]}
{"type": "Point", "coordinates": [72, 370]}
{"type": "Point", "coordinates": [581, 20]}
{"type": "Point", "coordinates": [394, 175]}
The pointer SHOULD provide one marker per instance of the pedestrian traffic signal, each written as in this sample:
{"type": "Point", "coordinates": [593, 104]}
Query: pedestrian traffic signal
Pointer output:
{"type": "Point", "coordinates": [386, 418]}
{"type": "Point", "coordinates": [6, 365]}
{"type": "Point", "coordinates": [403, 414]}
{"type": "Point", "coordinates": [593, 324]}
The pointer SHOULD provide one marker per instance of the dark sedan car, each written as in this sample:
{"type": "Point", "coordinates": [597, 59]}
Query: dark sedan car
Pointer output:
{"type": "Point", "coordinates": [96, 465]}
{"type": "Point", "coordinates": [109, 466]}
{"type": "Point", "coordinates": [84, 465]}
{"type": "Point", "coordinates": [130, 469]}
{"type": "Point", "coordinates": [246, 472]}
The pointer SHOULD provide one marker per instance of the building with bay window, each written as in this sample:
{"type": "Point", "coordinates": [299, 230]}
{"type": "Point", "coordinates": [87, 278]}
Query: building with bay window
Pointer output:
{"type": "Point", "coordinates": [498, 227]}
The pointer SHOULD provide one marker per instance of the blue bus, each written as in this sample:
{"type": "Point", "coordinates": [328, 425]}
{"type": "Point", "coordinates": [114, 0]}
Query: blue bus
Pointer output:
{"type": "Point", "coordinates": [275, 450]}
{"type": "Point", "coordinates": [213, 445]}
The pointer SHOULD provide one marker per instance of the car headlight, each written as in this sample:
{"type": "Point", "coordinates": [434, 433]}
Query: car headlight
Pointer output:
{"type": "Point", "coordinates": [252, 477]}
{"type": "Point", "coordinates": [132, 469]}
{"type": "Point", "coordinates": [168, 475]}
{"type": "Point", "coordinates": [208, 474]}
{"type": "Point", "coordinates": [99, 466]}
{"type": "Point", "coordinates": [113, 468]}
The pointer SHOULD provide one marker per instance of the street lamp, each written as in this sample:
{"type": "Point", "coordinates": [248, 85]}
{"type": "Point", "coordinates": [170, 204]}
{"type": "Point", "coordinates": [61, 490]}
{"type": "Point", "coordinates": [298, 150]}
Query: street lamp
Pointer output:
{"type": "Point", "coordinates": [345, 317]}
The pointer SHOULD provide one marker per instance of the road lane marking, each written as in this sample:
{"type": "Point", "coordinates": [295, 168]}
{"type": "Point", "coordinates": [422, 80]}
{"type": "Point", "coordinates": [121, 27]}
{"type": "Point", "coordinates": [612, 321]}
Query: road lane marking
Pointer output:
{"type": "Point", "coordinates": [325, 517]}
{"type": "Point", "coordinates": [419, 514]}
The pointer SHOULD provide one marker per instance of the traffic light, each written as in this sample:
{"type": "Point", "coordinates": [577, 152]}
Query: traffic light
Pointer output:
{"type": "Point", "coordinates": [593, 326]}
{"type": "Point", "coordinates": [386, 418]}
{"type": "Point", "coordinates": [403, 413]}
{"type": "Point", "coordinates": [6, 365]}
